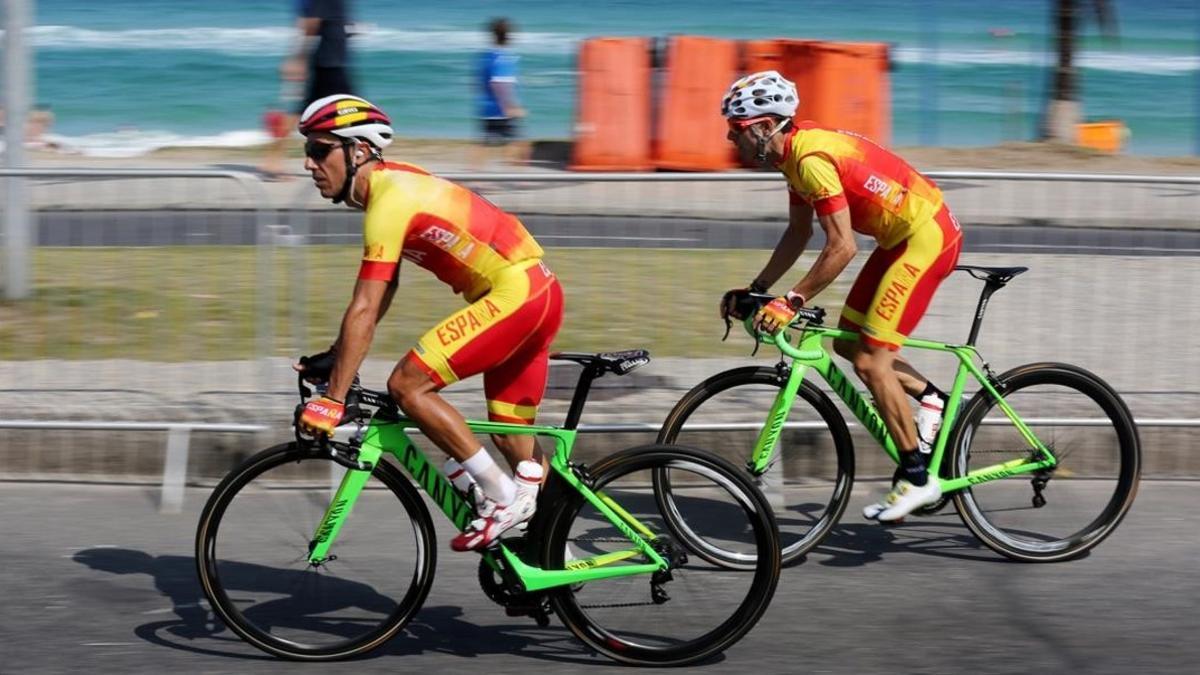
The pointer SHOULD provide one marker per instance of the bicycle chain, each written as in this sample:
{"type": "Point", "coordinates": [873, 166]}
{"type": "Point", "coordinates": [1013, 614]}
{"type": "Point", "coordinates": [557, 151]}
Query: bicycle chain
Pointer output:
{"type": "Point", "coordinates": [617, 605]}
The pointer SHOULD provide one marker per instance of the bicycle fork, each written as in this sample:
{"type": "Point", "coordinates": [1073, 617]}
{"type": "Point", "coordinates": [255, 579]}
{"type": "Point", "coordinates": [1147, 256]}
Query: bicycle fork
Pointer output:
{"type": "Point", "coordinates": [339, 508]}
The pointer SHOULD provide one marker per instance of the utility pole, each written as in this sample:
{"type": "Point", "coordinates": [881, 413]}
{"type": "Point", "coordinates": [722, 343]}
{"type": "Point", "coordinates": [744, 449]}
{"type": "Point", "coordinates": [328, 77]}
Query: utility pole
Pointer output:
{"type": "Point", "coordinates": [16, 105]}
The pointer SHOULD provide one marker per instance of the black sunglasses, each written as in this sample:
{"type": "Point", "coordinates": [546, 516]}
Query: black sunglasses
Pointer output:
{"type": "Point", "coordinates": [318, 150]}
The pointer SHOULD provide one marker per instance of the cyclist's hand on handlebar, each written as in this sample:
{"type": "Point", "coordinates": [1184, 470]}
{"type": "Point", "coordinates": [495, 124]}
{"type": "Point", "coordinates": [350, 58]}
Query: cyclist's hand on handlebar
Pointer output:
{"type": "Point", "coordinates": [730, 303]}
{"type": "Point", "coordinates": [322, 415]}
{"type": "Point", "coordinates": [775, 316]}
{"type": "Point", "coordinates": [316, 368]}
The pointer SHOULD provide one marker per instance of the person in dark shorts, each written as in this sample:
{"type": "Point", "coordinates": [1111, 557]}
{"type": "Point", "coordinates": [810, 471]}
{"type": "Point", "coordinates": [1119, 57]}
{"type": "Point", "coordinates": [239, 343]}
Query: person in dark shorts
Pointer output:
{"type": "Point", "coordinates": [500, 110]}
{"type": "Point", "coordinates": [320, 60]}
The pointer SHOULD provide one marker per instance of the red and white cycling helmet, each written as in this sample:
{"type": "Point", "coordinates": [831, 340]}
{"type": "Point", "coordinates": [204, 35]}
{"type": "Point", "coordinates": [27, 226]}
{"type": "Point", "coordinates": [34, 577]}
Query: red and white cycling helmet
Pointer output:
{"type": "Point", "coordinates": [349, 117]}
{"type": "Point", "coordinates": [759, 94]}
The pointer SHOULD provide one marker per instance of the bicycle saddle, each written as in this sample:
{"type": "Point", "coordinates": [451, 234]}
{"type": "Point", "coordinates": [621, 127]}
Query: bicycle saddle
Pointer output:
{"type": "Point", "coordinates": [996, 275]}
{"type": "Point", "coordinates": [621, 363]}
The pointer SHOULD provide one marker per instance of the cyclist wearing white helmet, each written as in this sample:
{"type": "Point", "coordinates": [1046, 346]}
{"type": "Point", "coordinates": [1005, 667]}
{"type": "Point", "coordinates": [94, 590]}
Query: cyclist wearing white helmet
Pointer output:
{"type": "Point", "coordinates": [853, 185]}
{"type": "Point", "coordinates": [514, 310]}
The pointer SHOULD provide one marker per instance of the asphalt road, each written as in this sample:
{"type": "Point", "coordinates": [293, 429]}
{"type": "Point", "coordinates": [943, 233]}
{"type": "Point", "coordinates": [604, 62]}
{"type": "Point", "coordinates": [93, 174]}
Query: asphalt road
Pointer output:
{"type": "Point", "coordinates": [162, 228]}
{"type": "Point", "coordinates": [94, 579]}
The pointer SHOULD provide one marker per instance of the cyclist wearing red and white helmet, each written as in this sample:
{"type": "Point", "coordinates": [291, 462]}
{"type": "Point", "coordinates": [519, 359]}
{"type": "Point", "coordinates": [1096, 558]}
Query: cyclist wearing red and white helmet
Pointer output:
{"type": "Point", "coordinates": [514, 310]}
{"type": "Point", "coordinates": [854, 185]}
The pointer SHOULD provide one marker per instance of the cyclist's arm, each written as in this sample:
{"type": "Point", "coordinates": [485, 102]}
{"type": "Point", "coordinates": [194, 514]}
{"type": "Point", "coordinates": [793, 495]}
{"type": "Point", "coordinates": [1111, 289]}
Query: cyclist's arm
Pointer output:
{"type": "Point", "coordinates": [358, 329]}
{"type": "Point", "coordinates": [383, 235]}
{"type": "Point", "coordinates": [840, 249]}
{"type": "Point", "coordinates": [387, 297]}
{"type": "Point", "coordinates": [791, 244]}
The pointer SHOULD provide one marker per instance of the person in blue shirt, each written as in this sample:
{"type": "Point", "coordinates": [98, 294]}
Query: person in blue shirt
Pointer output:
{"type": "Point", "coordinates": [499, 108]}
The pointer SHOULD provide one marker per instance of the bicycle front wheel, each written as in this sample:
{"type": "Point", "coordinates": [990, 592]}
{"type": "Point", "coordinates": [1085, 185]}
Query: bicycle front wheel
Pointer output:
{"type": "Point", "coordinates": [1058, 513]}
{"type": "Point", "coordinates": [808, 482]}
{"type": "Point", "coordinates": [252, 548]}
{"type": "Point", "coordinates": [693, 610]}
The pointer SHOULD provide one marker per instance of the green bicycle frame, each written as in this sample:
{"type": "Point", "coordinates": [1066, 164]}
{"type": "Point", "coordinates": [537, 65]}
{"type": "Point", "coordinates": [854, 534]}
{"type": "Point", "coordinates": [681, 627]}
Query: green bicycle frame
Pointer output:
{"type": "Point", "coordinates": [390, 436]}
{"type": "Point", "coordinates": [810, 353]}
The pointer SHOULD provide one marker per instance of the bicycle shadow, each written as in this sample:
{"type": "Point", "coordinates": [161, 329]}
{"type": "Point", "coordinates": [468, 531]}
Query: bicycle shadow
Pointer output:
{"type": "Point", "coordinates": [857, 544]}
{"type": "Point", "coordinates": [196, 629]}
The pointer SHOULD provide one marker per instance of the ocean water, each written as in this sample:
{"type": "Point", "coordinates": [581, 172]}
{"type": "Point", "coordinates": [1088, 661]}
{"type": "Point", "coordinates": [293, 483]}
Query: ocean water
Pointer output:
{"type": "Point", "coordinates": [126, 76]}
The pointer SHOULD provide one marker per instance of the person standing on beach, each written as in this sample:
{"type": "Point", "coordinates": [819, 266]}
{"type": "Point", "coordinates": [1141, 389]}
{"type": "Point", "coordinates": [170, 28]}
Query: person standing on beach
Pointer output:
{"type": "Point", "coordinates": [320, 60]}
{"type": "Point", "coordinates": [854, 185]}
{"type": "Point", "coordinates": [499, 107]}
{"type": "Point", "coordinates": [514, 310]}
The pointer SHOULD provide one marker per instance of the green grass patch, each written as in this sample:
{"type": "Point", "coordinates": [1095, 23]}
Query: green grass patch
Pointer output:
{"type": "Point", "coordinates": [205, 302]}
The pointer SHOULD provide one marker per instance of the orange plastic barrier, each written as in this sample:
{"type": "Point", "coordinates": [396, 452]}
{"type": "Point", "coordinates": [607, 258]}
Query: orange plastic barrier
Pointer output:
{"type": "Point", "coordinates": [690, 132]}
{"type": "Point", "coordinates": [760, 55]}
{"type": "Point", "coordinates": [612, 123]}
{"type": "Point", "coordinates": [843, 85]}
{"type": "Point", "coordinates": [1104, 135]}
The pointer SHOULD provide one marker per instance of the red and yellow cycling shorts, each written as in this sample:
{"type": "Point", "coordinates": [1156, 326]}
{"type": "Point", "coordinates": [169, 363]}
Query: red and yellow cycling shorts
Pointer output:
{"type": "Point", "coordinates": [894, 288]}
{"type": "Point", "coordinates": [505, 335]}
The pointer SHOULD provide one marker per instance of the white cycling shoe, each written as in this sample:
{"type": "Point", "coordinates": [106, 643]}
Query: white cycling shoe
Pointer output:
{"type": "Point", "coordinates": [903, 499]}
{"type": "Point", "coordinates": [495, 519]}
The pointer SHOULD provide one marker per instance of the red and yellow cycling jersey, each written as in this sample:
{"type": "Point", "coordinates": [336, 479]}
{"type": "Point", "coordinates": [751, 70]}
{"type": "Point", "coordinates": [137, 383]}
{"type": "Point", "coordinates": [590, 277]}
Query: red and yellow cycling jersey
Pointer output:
{"type": "Point", "coordinates": [461, 237]}
{"type": "Point", "coordinates": [831, 169]}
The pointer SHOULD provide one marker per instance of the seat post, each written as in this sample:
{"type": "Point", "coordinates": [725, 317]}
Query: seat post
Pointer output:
{"type": "Point", "coordinates": [989, 287]}
{"type": "Point", "coordinates": [590, 372]}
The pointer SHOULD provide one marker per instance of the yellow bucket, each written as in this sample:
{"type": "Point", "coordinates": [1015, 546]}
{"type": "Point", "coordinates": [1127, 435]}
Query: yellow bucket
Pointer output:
{"type": "Point", "coordinates": [1104, 135]}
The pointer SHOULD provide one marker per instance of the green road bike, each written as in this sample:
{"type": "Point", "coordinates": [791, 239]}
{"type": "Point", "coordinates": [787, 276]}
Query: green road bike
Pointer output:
{"type": "Point", "coordinates": [325, 550]}
{"type": "Point", "coordinates": [1042, 463]}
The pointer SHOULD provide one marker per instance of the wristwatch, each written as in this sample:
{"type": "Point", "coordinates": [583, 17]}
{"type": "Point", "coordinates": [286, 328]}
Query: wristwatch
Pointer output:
{"type": "Point", "coordinates": [795, 299]}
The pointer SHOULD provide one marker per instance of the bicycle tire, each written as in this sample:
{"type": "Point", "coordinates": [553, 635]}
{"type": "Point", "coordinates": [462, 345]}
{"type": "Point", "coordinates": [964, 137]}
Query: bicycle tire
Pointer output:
{"type": "Point", "coordinates": [1052, 381]}
{"type": "Point", "coordinates": [797, 536]}
{"type": "Point", "coordinates": [222, 599]}
{"type": "Point", "coordinates": [630, 645]}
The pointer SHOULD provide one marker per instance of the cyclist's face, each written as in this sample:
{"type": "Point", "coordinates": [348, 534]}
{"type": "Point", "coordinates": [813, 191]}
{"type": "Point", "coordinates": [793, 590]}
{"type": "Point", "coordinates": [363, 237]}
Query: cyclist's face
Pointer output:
{"type": "Point", "coordinates": [745, 138]}
{"type": "Point", "coordinates": [325, 161]}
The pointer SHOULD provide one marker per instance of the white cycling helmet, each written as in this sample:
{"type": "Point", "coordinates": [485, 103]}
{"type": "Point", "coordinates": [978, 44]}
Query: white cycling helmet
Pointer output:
{"type": "Point", "coordinates": [758, 94]}
{"type": "Point", "coordinates": [349, 117]}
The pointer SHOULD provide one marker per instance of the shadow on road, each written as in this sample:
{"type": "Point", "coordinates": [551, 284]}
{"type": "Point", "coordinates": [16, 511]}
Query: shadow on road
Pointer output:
{"type": "Point", "coordinates": [196, 629]}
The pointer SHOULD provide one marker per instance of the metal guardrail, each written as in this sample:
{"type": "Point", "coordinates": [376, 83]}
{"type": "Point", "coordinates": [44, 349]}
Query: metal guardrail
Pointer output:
{"type": "Point", "coordinates": [175, 463]}
{"type": "Point", "coordinates": [179, 433]}
{"type": "Point", "coordinates": [249, 183]}
{"type": "Point", "coordinates": [639, 427]}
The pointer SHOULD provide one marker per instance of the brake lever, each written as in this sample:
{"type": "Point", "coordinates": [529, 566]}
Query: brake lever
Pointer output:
{"type": "Point", "coordinates": [728, 327]}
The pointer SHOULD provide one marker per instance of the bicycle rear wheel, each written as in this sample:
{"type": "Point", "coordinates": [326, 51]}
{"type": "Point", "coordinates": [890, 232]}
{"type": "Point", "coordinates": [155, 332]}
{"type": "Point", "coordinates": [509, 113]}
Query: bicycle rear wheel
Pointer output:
{"type": "Point", "coordinates": [808, 483]}
{"type": "Point", "coordinates": [693, 611]}
{"type": "Point", "coordinates": [1059, 513]}
{"type": "Point", "coordinates": [252, 547]}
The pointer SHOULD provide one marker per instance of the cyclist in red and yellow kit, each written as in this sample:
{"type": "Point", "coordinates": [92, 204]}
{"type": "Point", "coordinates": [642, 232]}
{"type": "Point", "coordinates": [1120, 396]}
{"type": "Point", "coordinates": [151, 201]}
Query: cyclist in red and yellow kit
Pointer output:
{"type": "Point", "coordinates": [854, 185]}
{"type": "Point", "coordinates": [514, 309]}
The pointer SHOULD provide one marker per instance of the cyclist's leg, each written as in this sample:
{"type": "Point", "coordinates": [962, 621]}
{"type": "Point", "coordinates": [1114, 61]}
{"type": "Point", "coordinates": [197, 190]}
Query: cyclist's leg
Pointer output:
{"type": "Point", "coordinates": [478, 339]}
{"type": "Point", "coordinates": [905, 278]}
{"type": "Point", "coordinates": [514, 389]}
{"type": "Point", "coordinates": [470, 341]}
{"type": "Point", "coordinates": [893, 291]}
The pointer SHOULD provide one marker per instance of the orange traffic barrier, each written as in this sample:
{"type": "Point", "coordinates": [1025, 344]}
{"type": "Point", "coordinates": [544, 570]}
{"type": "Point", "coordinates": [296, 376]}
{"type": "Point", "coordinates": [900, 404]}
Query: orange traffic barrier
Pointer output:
{"type": "Point", "coordinates": [758, 55]}
{"type": "Point", "coordinates": [690, 132]}
{"type": "Point", "coordinates": [843, 85]}
{"type": "Point", "coordinates": [1104, 135]}
{"type": "Point", "coordinates": [612, 124]}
